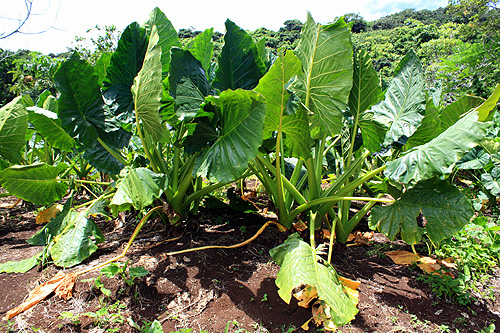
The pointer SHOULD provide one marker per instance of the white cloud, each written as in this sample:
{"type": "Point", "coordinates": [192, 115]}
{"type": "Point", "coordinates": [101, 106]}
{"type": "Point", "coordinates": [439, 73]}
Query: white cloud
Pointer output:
{"type": "Point", "coordinates": [71, 18]}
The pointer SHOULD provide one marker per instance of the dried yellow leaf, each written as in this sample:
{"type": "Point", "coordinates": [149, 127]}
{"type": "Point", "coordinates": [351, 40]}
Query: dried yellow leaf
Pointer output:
{"type": "Point", "coordinates": [37, 295]}
{"type": "Point", "coordinates": [47, 214]}
{"type": "Point", "coordinates": [403, 257]}
{"type": "Point", "coordinates": [306, 295]}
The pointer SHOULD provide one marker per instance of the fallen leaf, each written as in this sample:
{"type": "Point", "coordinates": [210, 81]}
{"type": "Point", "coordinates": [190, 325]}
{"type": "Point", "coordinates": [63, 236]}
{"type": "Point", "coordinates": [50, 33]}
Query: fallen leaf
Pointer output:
{"type": "Point", "coordinates": [300, 226]}
{"type": "Point", "coordinates": [432, 266]}
{"type": "Point", "coordinates": [403, 257]}
{"type": "Point", "coordinates": [47, 214]}
{"type": "Point", "coordinates": [426, 264]}
{"type": "Point", "coordinates": [40, 293]}
{"type": "Point", "coordinates": [360, 238]}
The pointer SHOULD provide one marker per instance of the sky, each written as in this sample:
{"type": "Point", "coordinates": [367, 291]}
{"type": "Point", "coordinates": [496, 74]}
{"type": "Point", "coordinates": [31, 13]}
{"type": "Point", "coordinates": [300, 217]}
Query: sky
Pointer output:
{"type": "Point", "coordinates": [53, 25]}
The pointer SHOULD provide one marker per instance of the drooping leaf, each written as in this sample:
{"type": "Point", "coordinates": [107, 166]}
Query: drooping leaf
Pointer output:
{"type": "Point", "coordinates": [239, 62]}
{"type": "Point", "coordinates": [80, 106]}
{"type": "Point", "coordinates": [77, 241]}
{"type": "Point", "coordinates": [21, 266]}
{"type": "Point", "coordinates": [167, 37]}
{"type": "Point", "coordinates": [365, 92]}
{"type": "Point", "coordinates": [138, 188]}
{"type": "Point", "coordinates": [13, 126]}
{"type": "Point", "coordinates": [202, 47]}
{"type": "Point", "coordinates": [235, 139]}
{"type": "Point", "coordinates": [443, 206]}
{"type": "Point", "coordinates": [49, 126]}
{"type": "Point", "coordinates": [35, 183]}
{"type": "Point", "coordinates": [438, 156]}
{"type": "Point", "coordinates": [124, 65]}
{"type": "Point", "coordinates": [147, 89]}
{"type": "Point", "coordinates": [278, 115]}
{"type": "Point", "coordinates": [326, 56]}
{"type": "Point", "coordinates": [300, 266]}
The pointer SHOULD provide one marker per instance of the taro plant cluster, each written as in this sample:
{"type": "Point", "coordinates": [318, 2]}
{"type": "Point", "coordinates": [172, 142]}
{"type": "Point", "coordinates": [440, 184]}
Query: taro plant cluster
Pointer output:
{"type": "Point", "coordinates": [170, 126]}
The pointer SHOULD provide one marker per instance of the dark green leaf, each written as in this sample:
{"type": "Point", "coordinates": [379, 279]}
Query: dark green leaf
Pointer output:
{"type": "Point", "coordinates": [80, 106]}
{"type": "Point", "coordinates": [125, 63]}
{"type": "Point", "coordinates": [445, 209]}
{"type": "Point", "coordinates": [239, 62]}
{"type": "Point", "coordinates": [237, 137]}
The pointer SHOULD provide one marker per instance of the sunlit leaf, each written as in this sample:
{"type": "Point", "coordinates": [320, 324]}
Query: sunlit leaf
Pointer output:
{"type": "Point", "coordinates": [13, 126]}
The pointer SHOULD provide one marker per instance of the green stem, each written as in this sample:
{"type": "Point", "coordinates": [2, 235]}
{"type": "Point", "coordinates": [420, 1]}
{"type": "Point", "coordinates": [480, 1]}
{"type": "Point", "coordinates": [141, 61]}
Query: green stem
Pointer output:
{"type": "Point", "coordinates": [333, 199]}
{"type": "Point", "coordinates": [113, 153]}
{"type": "Point", "coordinates": [332, 239]}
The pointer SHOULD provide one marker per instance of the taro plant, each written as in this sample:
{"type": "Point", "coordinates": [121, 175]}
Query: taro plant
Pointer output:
{"type": "Point", "coordinates": [322, 101]}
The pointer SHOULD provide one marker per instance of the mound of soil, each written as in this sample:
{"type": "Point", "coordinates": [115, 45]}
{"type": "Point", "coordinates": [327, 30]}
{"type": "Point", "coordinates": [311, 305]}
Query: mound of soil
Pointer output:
{"type": "Point", "coordinates": [220, 290]}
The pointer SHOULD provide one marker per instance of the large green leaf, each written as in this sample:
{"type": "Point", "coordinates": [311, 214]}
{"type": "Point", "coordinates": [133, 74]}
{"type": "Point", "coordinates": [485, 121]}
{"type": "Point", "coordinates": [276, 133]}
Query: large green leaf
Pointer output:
{"type": "Point", "coordinates": [167, 36]}
{"type": "Point", "coordinates": [233, 137]}
{"type": "Point", "coordinates": [77, 241]}
{"type": "Point", "coordinates": [437, 121]}
{"type": "Point", "coordinates": [239, 62]}
{"type": "Point", "coordinates": [100, 158]}
{"type": "Point", "coordinates": [147, 90]}
{"type": "Point", "coordinates": [49, 126]}
{"type": "Point", "coordinates": [404, 104]}
{"type": "Point", "coordinates": [445, 209]}
{"type": "Point", "coordinates": [125, 63]}
{"type": "Point", "coordinates": [300, 266]}
{"type": "Point", "coordinates": [80, 106]}
{"type": "Point", "coordinates": [13, 126]}
{"type": "Point", "coordinates": [35, 183]}
{"type": "Point", "coordinates": [365, 92]}
{"type": "Point", "coordinates": [202, 47]}
{"type": "Point", "coordinates": [326, 56]}
{"type": "Point", "coordinates": [438, 156]}
{"type": "Point", "coordinates": [278, 117]}
{"type": "Point", "coordinates": [188, 84]}
{"type": "Point", "coordinates": [138, 188]}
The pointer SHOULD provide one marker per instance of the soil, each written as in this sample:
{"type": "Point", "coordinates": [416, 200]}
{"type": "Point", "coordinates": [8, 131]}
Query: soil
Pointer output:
{"type": "Point", "coordinates": [220, 290]}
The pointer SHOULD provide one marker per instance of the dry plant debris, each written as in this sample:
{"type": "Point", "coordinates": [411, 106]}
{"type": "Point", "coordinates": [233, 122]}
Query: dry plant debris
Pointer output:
{"type": "Point", "coordinates": [426, 264]}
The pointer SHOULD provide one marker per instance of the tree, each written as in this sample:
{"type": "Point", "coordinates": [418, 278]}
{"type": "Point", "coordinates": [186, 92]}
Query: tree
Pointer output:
{"type": "Point", "coordinates": [358, 22]}
{"type": "Point", "coordinates": [20, 21]}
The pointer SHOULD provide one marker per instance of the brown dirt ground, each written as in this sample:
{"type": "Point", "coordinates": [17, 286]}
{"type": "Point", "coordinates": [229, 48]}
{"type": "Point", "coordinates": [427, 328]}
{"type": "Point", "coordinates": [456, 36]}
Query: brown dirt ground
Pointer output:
{"type": "Point", "coordinates": [222, 290]}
